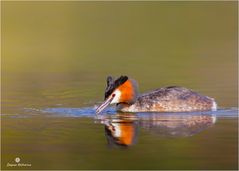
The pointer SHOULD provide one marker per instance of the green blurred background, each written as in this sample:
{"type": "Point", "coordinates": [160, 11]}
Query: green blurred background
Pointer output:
{"type": "Point", "coordinates": [192, 44]}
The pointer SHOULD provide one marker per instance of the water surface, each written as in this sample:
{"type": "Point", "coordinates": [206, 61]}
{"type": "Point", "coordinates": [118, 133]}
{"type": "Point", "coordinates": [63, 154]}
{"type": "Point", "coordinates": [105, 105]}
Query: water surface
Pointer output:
{"type": "Point", "coordinates": [80, 139]}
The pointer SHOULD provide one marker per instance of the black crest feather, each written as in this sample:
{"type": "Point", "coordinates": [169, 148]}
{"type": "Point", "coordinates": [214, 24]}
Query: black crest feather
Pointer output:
{"type": "Point", "coordinates": [113, 84]}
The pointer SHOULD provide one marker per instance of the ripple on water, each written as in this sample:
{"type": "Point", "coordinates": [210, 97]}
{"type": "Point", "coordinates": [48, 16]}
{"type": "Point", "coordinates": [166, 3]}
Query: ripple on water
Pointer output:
{"type": "Point", "coordinates": [110, 112]}
{"type": "Point", "coordinates": [90, 112]}
{"type": "Point", "coordinates": [76, 112]}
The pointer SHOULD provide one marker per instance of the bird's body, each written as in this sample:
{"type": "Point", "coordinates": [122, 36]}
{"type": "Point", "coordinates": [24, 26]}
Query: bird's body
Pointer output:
{"type": "Point", "coordinates": [169, 99]}
{"type": "Point", "coordinates": [124, 93]}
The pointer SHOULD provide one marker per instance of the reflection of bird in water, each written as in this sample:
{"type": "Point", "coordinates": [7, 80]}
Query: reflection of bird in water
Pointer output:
{"type": "Point", "coordinates": [124, 93]}
{"type": "Point", "coordinates": [122, 129]}
{"type": "Point", "coordinates": [177, 125]}
{"type": "Point", "coordinates": [120, 132]}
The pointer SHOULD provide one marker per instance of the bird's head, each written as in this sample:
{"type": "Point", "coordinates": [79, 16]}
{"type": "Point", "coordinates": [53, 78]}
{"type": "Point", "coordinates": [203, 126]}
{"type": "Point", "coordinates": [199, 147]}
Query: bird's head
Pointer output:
{"type": "Point", "coordinates": [121, 90]}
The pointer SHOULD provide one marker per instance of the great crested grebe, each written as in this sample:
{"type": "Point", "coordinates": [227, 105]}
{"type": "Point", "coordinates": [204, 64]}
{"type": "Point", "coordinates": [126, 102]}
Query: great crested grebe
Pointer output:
{"type": "Point", "coordinates": [124, 93]}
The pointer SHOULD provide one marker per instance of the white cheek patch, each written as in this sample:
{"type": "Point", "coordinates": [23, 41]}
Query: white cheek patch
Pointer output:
{"type": "Point", "coordinates": [116, 99]}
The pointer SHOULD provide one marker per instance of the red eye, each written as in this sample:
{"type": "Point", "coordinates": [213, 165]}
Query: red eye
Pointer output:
{"type": "Point", "coordinates": [113, 95]}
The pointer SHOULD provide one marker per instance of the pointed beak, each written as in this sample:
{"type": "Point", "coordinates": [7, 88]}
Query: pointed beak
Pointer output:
{"type": "Point", "coordinates": [104, 105]}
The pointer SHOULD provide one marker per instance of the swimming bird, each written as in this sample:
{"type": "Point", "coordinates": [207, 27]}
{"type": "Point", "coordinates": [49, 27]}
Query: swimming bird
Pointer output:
{"type": "Point", "coordinates": [124, 93]}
